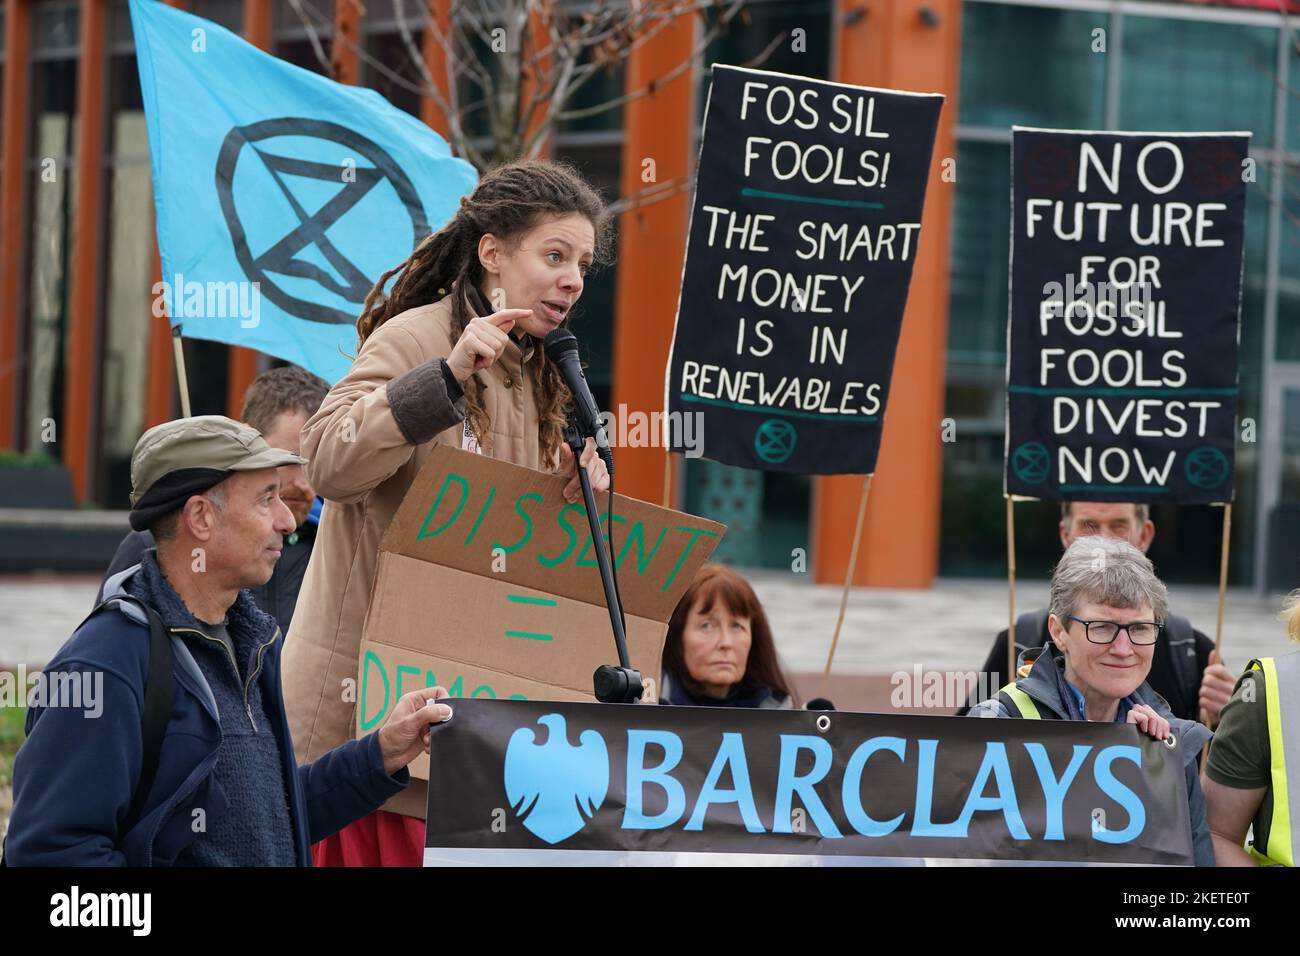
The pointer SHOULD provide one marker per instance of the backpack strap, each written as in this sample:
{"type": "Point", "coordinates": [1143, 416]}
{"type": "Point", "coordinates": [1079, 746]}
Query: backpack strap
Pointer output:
{"type": "Point", "coordinates": [1182, 652]}
{"type": "Point", "coordinates": [159, 687]}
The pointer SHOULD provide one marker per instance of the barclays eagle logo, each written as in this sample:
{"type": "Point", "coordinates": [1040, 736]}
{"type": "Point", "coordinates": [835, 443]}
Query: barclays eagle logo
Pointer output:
{"type": "Point", "coordinates": [555, 788]}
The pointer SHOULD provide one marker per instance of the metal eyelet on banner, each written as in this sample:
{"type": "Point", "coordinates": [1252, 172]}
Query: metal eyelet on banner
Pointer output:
{"type": "Point", "coordinates": [823, 723]}
{"type": "Point", "coordinates": [1171, 741]}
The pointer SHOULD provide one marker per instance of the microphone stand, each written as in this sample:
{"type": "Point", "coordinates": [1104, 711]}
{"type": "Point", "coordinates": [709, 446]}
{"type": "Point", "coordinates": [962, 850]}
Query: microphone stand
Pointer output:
{"type": "Point", "coordinates": [613, 684]}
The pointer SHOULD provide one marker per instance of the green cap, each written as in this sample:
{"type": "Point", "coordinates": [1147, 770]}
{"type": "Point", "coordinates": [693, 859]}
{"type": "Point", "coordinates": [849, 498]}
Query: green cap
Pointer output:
{"type": "Point", "coordinates": [204, 441]}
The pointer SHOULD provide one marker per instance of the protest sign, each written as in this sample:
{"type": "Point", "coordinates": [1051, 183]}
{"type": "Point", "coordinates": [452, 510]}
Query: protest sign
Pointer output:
{"type": "Point", "coordinates": [804, 230]}
{"type": "Point", "coordinates": [530, 782]}
{"type": "Point", "coordinates": [1125, 311]}
{"type": "Point", "coordinates": [487, 584]}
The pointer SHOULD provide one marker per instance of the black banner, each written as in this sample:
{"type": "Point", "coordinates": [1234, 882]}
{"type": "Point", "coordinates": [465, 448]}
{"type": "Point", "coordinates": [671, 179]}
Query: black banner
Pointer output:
{"type": "Point", "coordinates": [548, 783]}
{"type": "Point", "coordinates": [805, 226]}
{"type": "Point", "coordinates": [1126, 259]}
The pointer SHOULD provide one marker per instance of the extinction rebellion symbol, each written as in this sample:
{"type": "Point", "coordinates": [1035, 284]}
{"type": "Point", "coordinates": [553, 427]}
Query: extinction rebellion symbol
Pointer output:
{"type": "Point", "coordinates": [1032, 462]}
{"type": "Point", "coordinates": [280, 257]}
{"type": "Point", "coordinates": [1207, 467]}
{"type": "Point", "coordinates": [774, 440]}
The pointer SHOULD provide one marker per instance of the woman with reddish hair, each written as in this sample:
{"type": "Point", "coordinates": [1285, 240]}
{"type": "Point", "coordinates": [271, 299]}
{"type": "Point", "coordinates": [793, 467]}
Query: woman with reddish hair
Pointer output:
{"type": "Point", "coordinates": [719, 651]}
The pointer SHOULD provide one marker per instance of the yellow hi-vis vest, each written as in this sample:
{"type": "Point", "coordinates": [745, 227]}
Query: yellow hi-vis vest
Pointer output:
{"type": "Point", "coordinates": [1020, 702]}
{"type": "Point", "coordinates": [1282, 698]}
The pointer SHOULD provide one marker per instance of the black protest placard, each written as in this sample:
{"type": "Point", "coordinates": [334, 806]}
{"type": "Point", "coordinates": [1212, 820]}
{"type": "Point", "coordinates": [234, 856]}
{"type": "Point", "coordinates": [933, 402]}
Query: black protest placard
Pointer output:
{"type": "Point", "coordinates": [1126, 259]}
{"type": "Point", "coordinates": [805, 226]}
{"type": "Point", "coordinates": [547, 783]}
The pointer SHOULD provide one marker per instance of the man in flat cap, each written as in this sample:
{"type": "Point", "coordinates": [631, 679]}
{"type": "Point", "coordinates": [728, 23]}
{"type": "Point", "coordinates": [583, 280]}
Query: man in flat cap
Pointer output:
{"type": "Point", "coordinates": [175, 749]}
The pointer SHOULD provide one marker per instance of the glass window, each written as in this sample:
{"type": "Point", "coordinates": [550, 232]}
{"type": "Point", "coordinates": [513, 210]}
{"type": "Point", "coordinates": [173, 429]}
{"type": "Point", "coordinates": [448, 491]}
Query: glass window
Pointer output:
{"type": "Point", "coordinates": [1291, 447]}
{"type": "Point", "coordinates": [1187, 75]}
{"type": "Point", "coordinates": [1288, 292]}
{"type": "Point", "coordinates": [318, 13]}
{"type": "Point", "coordinates": [400, 79]}
{"type": "Point", "coordinates": [757, 26]}
{"type": "Point", "coordinates": [228, 13]}
{"type": "Point", "coordinates": [303, 53]}
{"type": "Point", "coordinates": [1293, 86]}
{"type": "Point", "coordinates": [303, 40]}
{"type": "Point", "coordinates": [602, 86]}
{"type": "Point", "coordinates": [766, 513]}
{"type": "Point", "coordinates": [50, 165]}
{"type": "Point", "coordinates": [976, 387]}
{"type": "Point", "coordinates": [972, 521]}
{"type": "Point", "coordinates": [128, 281]}
{"type": "Point", "coordinates": [1031, 66]}
{"type": "Point", "coordinates": [980, 246]}
{"type": "Point", "coordinates": [55, 28]}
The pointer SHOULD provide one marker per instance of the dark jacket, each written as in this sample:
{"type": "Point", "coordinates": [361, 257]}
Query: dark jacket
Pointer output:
{"type": "Point", "coordinates": [277, 597]}
{"type": "Point", "coordinates": [673, 691]}
{"type": "Point", "coordinates": [1044, 687]}
{"type": "Point", "coordinates": [1182, 653]}
{"type": "Point", "coordinates": [75, 776]}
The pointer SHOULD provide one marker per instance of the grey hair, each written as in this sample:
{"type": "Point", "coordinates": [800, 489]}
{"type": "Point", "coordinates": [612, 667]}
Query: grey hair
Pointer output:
{"type": "Point", "coordinates": [1106, 571]}
{"type": "Point", "coordinates": [1143, 511]}
{"type": "Point", "coordinates": [164, 527]}
{"type": "Point", "coordinates": [218, 494]}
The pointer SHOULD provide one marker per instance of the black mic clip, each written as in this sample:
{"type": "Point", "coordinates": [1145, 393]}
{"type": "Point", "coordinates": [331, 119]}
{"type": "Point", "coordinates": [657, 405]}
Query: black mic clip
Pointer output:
{"type": "Point", "coordinates": [618, 685]}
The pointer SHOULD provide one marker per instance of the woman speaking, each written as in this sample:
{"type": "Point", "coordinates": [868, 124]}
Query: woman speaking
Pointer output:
{"type": "Point", "coordinates": [450, 354]}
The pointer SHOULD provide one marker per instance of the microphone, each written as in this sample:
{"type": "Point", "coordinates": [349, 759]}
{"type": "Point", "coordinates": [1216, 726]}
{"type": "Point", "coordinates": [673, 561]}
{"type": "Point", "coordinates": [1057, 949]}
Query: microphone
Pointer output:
{"type": "Point", "coordinates": [819, 703]}
{"type": "Point", "coordinates": [562, 348]}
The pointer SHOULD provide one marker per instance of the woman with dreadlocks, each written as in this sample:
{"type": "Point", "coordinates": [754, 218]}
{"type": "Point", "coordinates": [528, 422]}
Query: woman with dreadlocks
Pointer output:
{"type": "Point", "coordinates": [450, 354]}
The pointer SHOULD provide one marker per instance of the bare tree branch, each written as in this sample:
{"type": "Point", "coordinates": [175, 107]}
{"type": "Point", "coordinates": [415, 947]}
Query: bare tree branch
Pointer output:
{"type": "Point", "coordinates": [313, 37]}
{"type": "Point", "coordinates": [687, 62]}
{"type": "Point", "coordinates": [654, 194]}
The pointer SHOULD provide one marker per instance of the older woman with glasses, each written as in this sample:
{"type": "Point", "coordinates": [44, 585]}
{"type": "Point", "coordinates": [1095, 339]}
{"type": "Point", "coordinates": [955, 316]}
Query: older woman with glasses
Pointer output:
{"type": "Point", "coordinates": [1106, 612]}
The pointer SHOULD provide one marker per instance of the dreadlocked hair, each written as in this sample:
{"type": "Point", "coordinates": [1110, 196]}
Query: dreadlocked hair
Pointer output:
{"type": "Point", "coordinates": [507, 202]}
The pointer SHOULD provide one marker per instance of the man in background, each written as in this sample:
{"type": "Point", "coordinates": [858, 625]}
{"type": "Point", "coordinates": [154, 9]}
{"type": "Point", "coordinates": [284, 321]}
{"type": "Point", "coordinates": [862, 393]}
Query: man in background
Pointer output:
{"type": "Point", "coordinates": [277, 403]}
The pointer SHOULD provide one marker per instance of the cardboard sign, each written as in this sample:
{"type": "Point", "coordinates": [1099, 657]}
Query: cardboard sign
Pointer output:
{"type": "Point", "coordinates": [805, 226]}
{"type": "Point", "coordinates": [1126, 258]}
{"type": "Point", "coordinates": [527, 782]}
{"type": "Point", "coordinates": [488, 585]}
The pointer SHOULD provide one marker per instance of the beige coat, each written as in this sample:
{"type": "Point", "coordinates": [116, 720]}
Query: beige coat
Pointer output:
{"type": "Point", "coordinates": [362, 462]}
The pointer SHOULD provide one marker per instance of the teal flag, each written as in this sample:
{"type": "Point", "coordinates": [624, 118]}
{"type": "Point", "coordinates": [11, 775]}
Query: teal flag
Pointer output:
{"type": "Point", "coordinates": [281, 195]}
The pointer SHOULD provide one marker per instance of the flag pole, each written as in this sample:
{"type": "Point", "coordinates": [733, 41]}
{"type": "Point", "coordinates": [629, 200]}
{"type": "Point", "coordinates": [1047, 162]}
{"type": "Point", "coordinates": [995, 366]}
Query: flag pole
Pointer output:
{"type": "Point", "coordinates": [1223, 577]}
{"type": "Point", "coordinates": [668, 479]}
{"type": "Point", "coordinates": [182, 382]}
{"type": "Point", "coordinates": [1011, 589]}
{"type": "Point", "coordinates": [848, 575]}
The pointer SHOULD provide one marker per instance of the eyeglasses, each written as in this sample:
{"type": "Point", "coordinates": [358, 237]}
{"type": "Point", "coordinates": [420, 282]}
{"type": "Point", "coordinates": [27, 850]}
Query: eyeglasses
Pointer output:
{"type": "Point", "coordinates": [1105, 632]}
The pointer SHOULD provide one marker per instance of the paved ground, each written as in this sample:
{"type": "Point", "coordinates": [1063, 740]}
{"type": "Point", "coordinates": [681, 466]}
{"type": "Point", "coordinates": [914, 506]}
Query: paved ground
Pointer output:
{"type": "Point", "coordinates": [946, 628]}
